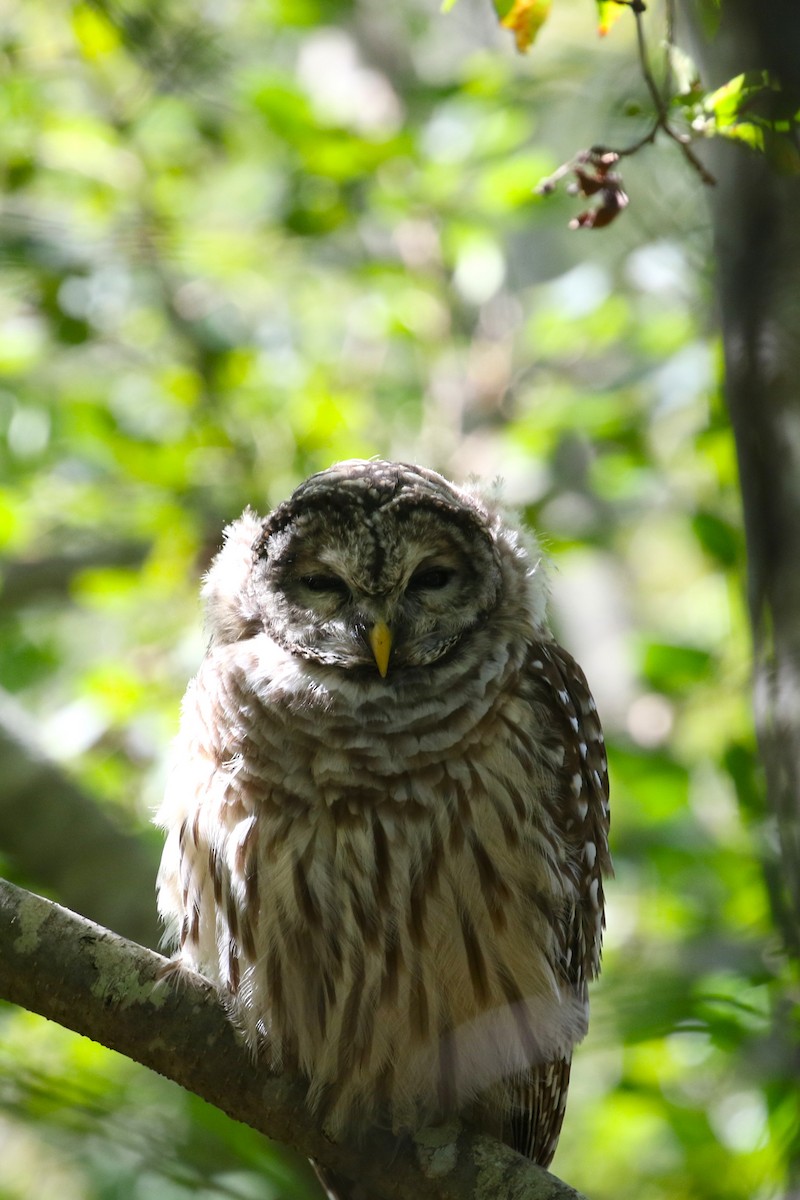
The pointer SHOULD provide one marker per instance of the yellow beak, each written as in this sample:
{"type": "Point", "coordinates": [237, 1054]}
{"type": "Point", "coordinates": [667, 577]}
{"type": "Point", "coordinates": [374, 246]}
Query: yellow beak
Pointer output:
{"type": "Point", "coordinates": [380, 640]}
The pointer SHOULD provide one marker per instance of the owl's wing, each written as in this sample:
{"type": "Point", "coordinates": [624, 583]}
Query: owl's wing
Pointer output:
{"type": "Point", "coordinates": [573, 746]}
{"type": "Point", "coordinates": [582, 812]}
{"type": "Point", "coordinates": [207, 876]}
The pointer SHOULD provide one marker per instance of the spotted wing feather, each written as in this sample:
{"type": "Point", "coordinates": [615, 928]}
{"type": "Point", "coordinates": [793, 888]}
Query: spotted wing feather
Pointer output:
{"type": "Point", "coordinates": [581, 816]}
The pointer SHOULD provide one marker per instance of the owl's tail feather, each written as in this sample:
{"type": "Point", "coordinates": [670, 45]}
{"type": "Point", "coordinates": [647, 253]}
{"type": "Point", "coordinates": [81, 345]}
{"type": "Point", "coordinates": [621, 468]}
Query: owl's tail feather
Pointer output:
{"type": "Point", "coordinates": [531, 1124]}
{"type": "Point", "coordinates": [534, 1123]}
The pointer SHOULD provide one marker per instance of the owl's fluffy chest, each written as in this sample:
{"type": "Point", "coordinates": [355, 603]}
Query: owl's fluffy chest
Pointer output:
{"type": "Point", "coordinates": [375, 887]}
{"type": "Point", "coordinates": [386, 905]}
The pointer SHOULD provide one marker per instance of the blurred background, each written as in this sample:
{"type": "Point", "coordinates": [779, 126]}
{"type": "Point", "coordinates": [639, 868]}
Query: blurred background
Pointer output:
{"type": "Point", "coordinates": [240, 241]}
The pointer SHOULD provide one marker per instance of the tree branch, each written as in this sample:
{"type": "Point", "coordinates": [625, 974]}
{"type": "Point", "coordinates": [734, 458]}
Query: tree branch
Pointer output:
{"type": "Point", "coordinates": [23, 581]}
{"type": "Point", "coordinates": [88, 979]}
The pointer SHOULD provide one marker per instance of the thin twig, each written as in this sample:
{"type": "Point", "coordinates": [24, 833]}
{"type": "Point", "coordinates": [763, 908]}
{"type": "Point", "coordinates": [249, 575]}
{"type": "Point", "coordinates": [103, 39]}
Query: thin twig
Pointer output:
{"type": "Point", "coordinates": [661, 120]}
{"type": "Point", "coordinates": [669, 42]}
{"type": "Point", "coordinates": [662, 115]}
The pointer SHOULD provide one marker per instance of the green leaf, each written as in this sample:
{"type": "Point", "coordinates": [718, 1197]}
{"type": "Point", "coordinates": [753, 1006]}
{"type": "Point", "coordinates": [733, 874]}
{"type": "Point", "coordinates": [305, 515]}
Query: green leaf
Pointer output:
{"type": "Point", "coordinates": [744, 769]}
{"type": "Point", "coordinates": [670, 667]}
{"type": "Point", "coordinates": [717, 537]}
{"type": "Point", "coordinates": [752, 108]}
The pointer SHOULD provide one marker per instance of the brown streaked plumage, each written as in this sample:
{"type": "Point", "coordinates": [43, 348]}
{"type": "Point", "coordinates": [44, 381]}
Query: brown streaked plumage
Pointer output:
{"type": "Point", "coordinates": [387, 818]}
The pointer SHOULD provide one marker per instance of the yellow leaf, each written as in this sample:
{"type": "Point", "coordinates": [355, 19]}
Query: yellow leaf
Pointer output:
{"type": "Point", "coordinates": [525, 18]}
{"type": "Point", "coordinates": [608, 12]}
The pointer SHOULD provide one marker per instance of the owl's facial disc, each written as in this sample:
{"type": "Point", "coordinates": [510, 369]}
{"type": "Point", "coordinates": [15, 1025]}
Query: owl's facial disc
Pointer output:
{"type": "Point", "coordinates": [367, 574]}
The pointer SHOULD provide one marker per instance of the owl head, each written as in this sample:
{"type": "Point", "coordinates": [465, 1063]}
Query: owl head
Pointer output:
{"type": "Point", "coordinates": [375, 564]}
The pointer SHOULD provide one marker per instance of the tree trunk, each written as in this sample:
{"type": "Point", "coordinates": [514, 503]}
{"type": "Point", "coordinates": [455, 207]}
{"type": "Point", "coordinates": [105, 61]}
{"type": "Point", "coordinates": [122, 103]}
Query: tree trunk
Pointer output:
{"type": "Point", "coordinates": [756, 215]}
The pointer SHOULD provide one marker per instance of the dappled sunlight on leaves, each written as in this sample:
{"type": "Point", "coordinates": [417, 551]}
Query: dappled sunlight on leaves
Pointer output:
{"type": "Point", "coordinates": [242, 241]}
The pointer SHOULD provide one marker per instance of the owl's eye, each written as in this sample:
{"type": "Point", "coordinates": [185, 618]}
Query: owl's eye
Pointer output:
{"type": "Point", "coordinates": [331, 585]}
{"type": "Point", "coordinates": [429, 579]}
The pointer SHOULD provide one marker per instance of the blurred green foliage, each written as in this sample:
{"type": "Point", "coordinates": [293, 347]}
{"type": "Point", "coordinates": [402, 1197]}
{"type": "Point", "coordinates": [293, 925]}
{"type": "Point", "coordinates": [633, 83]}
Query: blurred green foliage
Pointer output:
{"type": "Point", "coordinates": [240, 241]}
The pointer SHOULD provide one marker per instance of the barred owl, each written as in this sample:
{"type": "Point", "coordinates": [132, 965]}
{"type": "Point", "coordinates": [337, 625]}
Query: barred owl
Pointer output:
{"type": "Point", "coordinates": [387, 818]}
